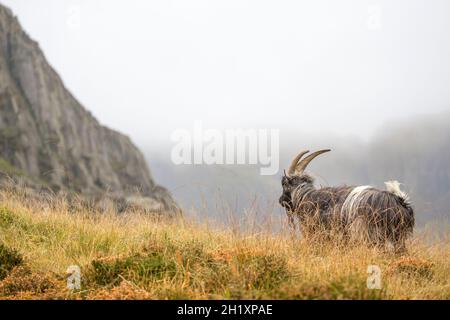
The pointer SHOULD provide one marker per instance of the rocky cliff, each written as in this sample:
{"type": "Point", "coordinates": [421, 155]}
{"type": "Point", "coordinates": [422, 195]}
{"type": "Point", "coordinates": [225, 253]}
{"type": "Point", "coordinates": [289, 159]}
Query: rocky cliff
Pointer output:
{"type": "Point", "coordinates": [45, 133]}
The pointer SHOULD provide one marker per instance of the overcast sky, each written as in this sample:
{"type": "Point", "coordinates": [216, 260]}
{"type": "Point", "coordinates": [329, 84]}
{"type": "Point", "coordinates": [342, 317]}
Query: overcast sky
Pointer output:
{"type": "Point", "coordinates": [149, 67]}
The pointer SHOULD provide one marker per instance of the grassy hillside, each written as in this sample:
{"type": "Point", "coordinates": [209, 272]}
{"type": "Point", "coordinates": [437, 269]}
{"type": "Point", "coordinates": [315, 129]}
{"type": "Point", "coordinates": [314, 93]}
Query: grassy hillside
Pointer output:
{"type": "Point", "coordinates": [134, 256]}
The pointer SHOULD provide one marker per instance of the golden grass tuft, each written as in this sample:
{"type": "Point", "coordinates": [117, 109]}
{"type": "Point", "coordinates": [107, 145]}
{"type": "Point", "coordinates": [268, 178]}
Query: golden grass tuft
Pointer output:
{"type": "Point", "coordinates": [137, 256]}
{"type": "Point", "coordinates": [125, 291]}
{"type": "Point", "coordinates": [22, 283]}
{"type": "Point", "coordinates": [412, 267]}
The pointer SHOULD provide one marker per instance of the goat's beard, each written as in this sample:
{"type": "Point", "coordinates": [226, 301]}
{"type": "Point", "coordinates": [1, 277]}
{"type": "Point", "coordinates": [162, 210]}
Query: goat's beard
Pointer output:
{"type": "Point", "coordinates": [286, 201]}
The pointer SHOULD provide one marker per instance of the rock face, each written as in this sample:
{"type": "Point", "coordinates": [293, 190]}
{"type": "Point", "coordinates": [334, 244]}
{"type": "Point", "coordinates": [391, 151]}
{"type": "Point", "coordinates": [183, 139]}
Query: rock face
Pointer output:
{"type": "Point", "coordinates": [46, 134]}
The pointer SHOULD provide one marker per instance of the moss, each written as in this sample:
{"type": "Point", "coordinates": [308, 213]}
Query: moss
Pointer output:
{"type": "Point", "coordinates": [9, 258]}
{"type": "Point", "coordinates": [136, 268]}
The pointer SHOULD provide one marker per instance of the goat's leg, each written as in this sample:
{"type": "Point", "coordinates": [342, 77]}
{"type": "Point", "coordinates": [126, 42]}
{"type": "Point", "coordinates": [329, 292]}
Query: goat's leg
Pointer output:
{"type": "Point", "coordinates": [291, 220]}
{"type": "Point", "coordinates": [399, 242]}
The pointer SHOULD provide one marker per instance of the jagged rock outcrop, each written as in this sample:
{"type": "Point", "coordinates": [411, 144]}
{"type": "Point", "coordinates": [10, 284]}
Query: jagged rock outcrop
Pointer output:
{"type": "Point", "coordinates": [45, 133]}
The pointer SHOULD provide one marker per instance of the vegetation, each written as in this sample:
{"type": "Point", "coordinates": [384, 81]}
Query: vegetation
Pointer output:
{"type": "Point", "coordinates": [8, 168]}
{"type": "Point", "coordinates": [137, 256]}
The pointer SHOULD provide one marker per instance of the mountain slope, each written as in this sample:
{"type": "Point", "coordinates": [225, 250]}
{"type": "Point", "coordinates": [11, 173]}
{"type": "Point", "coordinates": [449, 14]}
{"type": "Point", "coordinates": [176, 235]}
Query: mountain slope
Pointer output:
{"type": "Point", "coordinates": [47, 134]}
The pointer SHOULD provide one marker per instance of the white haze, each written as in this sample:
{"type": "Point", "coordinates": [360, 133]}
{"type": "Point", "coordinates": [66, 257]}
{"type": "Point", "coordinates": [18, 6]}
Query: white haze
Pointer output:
{"type": "Point", "coordinates": [147, 68]}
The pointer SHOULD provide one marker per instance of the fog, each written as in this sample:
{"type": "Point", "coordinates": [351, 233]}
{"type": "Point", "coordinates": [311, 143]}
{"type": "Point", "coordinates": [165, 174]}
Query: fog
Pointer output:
{"type": "Point", "coordinates": [370, 79]}
{"type": "Point", "coordinates": [414, 152]}
{"type": "Point", "coordinates": [147, 68]}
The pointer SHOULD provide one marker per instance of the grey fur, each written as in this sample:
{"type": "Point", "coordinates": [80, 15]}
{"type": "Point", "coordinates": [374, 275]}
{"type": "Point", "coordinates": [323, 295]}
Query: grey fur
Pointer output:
{"type": "Point", "coordinates": [377, 216]}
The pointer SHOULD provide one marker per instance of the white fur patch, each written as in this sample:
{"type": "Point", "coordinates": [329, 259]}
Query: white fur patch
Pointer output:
{"type": "Point", "coordinates": [394, 187]}
{"type": "Point", "coordinates": [352, 201]}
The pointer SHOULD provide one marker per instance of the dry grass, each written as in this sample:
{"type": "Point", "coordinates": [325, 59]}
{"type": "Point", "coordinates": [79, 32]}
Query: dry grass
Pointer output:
{"type": "Point", "coordinates": [135, 256]}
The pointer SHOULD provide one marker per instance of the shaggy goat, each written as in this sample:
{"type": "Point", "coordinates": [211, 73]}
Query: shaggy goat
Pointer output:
{"type": "Point", "coordinates": [358, 212]}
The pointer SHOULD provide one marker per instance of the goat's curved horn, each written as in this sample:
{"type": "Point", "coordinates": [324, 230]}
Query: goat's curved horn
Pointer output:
{"type": "Point", "coordinates": [304, 163]}
{"type": "Point", "coordinates": [294, 163]}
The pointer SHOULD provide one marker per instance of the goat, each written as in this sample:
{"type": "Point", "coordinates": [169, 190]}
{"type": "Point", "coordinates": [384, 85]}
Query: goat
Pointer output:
{"type": "Point", "coordinates": [379, 216]}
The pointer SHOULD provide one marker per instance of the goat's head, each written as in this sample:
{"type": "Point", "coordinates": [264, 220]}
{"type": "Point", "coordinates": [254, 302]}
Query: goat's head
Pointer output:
{"type": "Point", "coordinates": [295, 177]}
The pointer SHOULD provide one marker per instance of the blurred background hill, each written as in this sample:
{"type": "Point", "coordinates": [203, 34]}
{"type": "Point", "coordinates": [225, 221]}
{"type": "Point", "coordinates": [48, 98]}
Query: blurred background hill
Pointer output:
{"type": "Point", "coordinates": [415, 152]}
